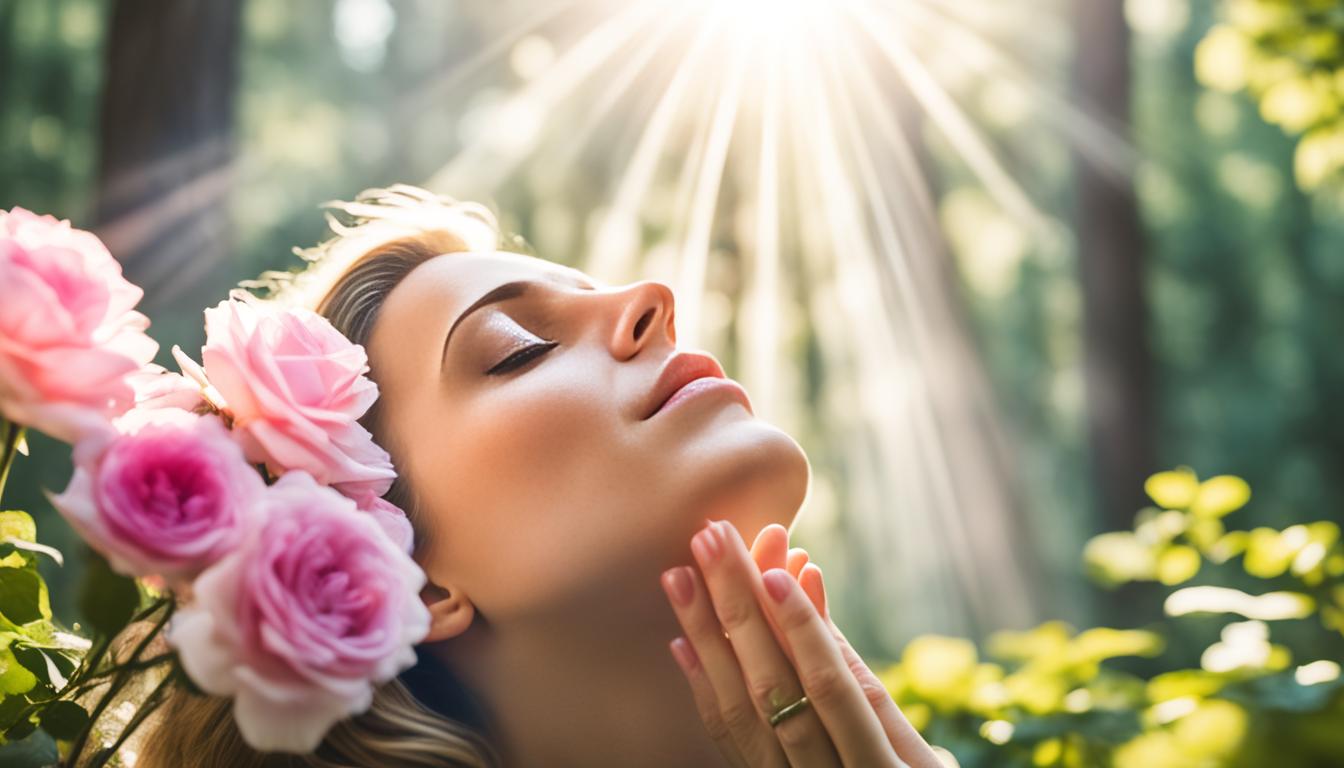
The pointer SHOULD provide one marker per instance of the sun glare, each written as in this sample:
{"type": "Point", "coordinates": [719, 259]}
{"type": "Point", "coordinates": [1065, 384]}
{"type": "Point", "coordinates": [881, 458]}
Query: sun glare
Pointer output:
{"type": "Point", "coordinates": [786, 136]}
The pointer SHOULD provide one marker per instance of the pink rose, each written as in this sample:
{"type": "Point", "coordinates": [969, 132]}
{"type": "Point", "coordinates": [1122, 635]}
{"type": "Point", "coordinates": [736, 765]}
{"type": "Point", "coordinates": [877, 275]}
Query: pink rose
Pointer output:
{"type": "Point", "coordinates": [157, 387]}
{"type": "Point", "coordinates": [295, 388]}
{"type": "Point", "coordinates": [300, 624]}
{"type": "Point", "coordinates": [167, 496]}
{"type": "Point", "coordinates": [69, 334]}
{"type": "Point", "coordinates": [391, 519]}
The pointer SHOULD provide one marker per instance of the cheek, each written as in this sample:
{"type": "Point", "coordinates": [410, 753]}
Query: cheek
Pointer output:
{"type": "Point", "coordinates": [526, 479]}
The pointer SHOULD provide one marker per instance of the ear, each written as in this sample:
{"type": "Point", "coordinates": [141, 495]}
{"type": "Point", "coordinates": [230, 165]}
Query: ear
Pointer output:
{"type": "Point", "coordinates": [450, 612]}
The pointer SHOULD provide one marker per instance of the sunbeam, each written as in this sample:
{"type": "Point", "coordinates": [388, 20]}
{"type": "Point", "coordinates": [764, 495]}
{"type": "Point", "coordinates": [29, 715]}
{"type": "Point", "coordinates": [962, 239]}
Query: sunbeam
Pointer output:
{"type": "Point", "coordinates": [798, 116]}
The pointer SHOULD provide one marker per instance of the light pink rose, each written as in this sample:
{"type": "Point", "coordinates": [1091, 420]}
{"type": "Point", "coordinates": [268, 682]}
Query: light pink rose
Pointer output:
{"type": "Point", "coordinates": [295, 388]}
{"type": "Point", "coordinates": [167, 495]}
{"type": "Point", "coordinates": [391, 519]}
{"type": "Point", "coordinates": [69, 334]}
{"type": "Point", "coordinates": [157, 387]}
{"type": "Point", "coordinates": [300, 624]}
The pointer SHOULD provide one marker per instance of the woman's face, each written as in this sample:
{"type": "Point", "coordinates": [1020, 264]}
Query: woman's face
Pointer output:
{"type": "Point", "coordinates": [543, 481]}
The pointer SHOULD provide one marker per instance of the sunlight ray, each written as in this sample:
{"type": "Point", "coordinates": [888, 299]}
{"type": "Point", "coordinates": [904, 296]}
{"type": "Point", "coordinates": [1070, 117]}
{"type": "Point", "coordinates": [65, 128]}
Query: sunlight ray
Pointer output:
{"type": "Point", "coordinates": [946, 366]}
{"type": "Point", "coordinates": [440, 87]}
{"type": "Point", "coordinates": [952, 121]}
{"type": "Point", "coordinates": [762, 300]}
{"type": "Point", "coordinates": [611, 251]}
{"type": "Point", "coordinates": [876, 366]}
{"type": "Point", "coordinates": [1093, 134]}
{"type": "Point", "coordinates": [487, 164]}
{"type": "Point", "coordinates": [617, 87]}
{"type": "Point", "coordinates": [695, 249]}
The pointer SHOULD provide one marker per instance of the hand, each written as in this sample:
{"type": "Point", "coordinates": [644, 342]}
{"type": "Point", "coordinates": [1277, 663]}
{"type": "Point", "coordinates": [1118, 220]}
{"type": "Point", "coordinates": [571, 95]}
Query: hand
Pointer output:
{"type": "Point", "coordinates": [778, 645]}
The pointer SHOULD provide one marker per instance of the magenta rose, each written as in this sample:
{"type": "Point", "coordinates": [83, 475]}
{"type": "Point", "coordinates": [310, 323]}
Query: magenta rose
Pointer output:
{"type": "Point", "coordinates": [69, 334]}
{"type": "Point", "coordinates": [167, 495]}
{"type": "Point", "coordinates": [300, 624]}
{"type": "Point", "coordinates": [295, 388]}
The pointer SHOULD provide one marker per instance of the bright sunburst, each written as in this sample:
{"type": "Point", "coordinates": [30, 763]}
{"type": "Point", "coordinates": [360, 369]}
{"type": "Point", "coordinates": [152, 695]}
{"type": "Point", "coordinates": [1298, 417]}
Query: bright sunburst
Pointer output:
{"type": "Point", "coordinates": [778, 135]}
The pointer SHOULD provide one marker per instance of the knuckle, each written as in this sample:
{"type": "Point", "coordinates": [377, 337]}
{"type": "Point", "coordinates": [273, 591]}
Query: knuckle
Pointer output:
{"type": "Point", "coordinates": [797, 732]}
{"type": "Point", "coordinates": [794, 617]}
{"type": "Point", "coordinates": [715, 725]}
{"type": "Point", "coordinates": [873, 690]}
{"type": "Point", "coordinates": [824, 685]}
{"type": "Point", "coordinates": [737, 716]}
{"type": "Point", "coordinates": [733, 614]}
{"type": "Point", "coordinates": [769, 693]}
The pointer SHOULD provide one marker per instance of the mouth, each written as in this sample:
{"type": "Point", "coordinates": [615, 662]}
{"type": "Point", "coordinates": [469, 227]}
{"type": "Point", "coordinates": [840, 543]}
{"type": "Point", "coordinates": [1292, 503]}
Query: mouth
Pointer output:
{"type": "Point", "coordinates": [686, 373]}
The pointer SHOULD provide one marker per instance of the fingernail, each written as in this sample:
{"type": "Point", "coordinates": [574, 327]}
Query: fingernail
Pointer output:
{"type": "Point", "coordinates": [707, 546]}
{"type": "Point", "coordinates": [677, 584]}
{"type": "Point", "coordinates": [726, 529]}
{"type": "Point", "coordinates": [778, 582]}
{"type": "Point", "coordinates": [684, 654]}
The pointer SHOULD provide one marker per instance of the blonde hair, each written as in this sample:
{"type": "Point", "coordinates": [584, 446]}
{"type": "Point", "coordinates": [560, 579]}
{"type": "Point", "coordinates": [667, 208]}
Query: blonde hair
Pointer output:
{"type": "Point", "coordinates": [378, 239]}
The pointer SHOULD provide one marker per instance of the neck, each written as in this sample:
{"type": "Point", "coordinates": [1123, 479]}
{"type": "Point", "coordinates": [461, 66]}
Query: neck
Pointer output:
{"type": "Point", "coordinates": [598, 690]}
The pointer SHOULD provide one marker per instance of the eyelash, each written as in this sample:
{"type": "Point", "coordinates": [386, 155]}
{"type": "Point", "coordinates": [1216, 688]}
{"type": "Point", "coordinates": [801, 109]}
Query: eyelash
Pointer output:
{"type": "Point", "coordinates": [521, 357]}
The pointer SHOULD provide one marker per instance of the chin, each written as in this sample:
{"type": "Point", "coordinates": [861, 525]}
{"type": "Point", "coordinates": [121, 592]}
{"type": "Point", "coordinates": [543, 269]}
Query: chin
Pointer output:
{"type": "Point", "coordinates": [760, 476]}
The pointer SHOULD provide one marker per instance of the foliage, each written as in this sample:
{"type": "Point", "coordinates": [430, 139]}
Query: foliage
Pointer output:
{"type": "Point", "coordinates": [1290, 55]}
{"type": "Point", "coordinates": [1052, 696]}
{"type": "Point", "coordinates": [53, 679]}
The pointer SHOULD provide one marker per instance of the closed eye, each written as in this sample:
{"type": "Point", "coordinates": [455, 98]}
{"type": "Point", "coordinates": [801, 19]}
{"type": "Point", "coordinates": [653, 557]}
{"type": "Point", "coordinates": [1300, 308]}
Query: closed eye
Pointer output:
{"type": "Point", "coordinates": [522, 357]}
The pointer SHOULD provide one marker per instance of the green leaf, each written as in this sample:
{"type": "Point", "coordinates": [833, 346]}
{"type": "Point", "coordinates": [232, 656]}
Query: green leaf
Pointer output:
{"type": "Point", "coordinates": [1177, 565]}
{"type": "Point", "coordinates": [23, 595]}
{"type": "Point", "coordinates": [20, 730]}
{"type": "Point", "coordinates": [1173, 490]}
{"type": "Point", "coordinates": [1269, 553]}
{"type": "Point", "coordinates": [17, 524]}
{"type": "Point", "coordinates": [14, 678]}
{"type": "Point", "coordinates": [1118, 558]}
{"type": "Point", "coordinates": [1283, 692]}
{"type": "Point", "coordinates": [18, 530]}
{"type": "Point", "coordinates": [40, 664]}
{"type": "Point", "coordinates": [10, 708]}
{"type": "Point", "coordinates": [1220, 495]}
{"type": "Point", "coordinates": [32, 546]}
{"type": "Point", "coordinates": [63, 719]}
{"type": "Point", "coordinates": [108, 600]}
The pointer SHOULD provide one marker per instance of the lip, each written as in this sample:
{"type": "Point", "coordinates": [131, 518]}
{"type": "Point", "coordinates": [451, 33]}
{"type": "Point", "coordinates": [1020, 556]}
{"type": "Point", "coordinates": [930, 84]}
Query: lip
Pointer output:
{"type": "Point", "coordinates": [683, 369]}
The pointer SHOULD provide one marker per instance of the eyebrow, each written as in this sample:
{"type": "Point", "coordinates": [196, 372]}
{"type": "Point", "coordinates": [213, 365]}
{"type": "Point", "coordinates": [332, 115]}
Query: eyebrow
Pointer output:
{"type": "Point", "coordinates": [500, 293]}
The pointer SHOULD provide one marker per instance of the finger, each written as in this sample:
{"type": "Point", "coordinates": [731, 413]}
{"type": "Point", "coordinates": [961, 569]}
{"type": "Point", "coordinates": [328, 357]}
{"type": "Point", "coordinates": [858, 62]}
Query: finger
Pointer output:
{"type": "Point", "coordinates": [810, 581]}
{"type": "Point", "coordinates": [797, 558]}
{"type": "Point", "coordinates": [735, 587]}
{"type": "Point", "coordinates": [835, 694]}
{"type": "Point", "coordinates": [736, 715]}
{"type": "Point", "coordinates": [902, 736]}
{"type": "Point", "coordinates": [771, 547]}
{"type": "Point", "coordinates": [706, 702]}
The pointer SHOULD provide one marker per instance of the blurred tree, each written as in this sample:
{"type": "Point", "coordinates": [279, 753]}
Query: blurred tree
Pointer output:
{"type": "Point", "coordinates": [166, 140]}
{"type": "Point", "coordinates": [1111, 271]}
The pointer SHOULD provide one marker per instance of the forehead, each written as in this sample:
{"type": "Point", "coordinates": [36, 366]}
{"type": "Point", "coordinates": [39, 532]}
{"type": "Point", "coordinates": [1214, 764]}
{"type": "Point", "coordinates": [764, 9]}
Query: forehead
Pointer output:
{"type": "Point", "coordinates": [461, 278]}
{"type": "Point", "coordinates": [427, 301]}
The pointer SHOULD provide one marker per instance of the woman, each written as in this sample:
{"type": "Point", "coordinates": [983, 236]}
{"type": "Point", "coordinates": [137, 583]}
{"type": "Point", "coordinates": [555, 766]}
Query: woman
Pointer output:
{"type": "Point", "coordinates": [559, 458]}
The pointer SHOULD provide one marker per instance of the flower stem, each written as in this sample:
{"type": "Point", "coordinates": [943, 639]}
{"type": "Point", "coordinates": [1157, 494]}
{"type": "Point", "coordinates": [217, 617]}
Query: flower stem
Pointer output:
{"type": "Point", "coordinates": [12, 433]}
{"type": "Point", "coordinates": [88, 667]}
{"type": "Point", "coordinates": [73, 692]}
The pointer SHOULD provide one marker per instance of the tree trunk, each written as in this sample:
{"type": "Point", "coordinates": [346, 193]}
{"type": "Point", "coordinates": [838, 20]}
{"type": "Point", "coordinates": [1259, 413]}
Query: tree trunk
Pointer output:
{"type": "Point", "coordinates": [1111, 271]}
{"type": "Point", "coordinates": [166, 140]}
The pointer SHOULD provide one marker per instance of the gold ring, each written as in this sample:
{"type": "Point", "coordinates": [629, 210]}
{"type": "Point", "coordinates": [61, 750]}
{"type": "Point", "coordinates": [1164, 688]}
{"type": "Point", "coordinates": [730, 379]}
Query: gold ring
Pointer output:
{"type": "Point", "coordinates": [789, 711]}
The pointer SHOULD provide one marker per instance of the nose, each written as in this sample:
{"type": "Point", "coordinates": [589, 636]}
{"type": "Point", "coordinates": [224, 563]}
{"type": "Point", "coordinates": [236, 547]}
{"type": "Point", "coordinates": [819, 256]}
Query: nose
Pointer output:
{"type": "Point", "coordinates": [646, 316]}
